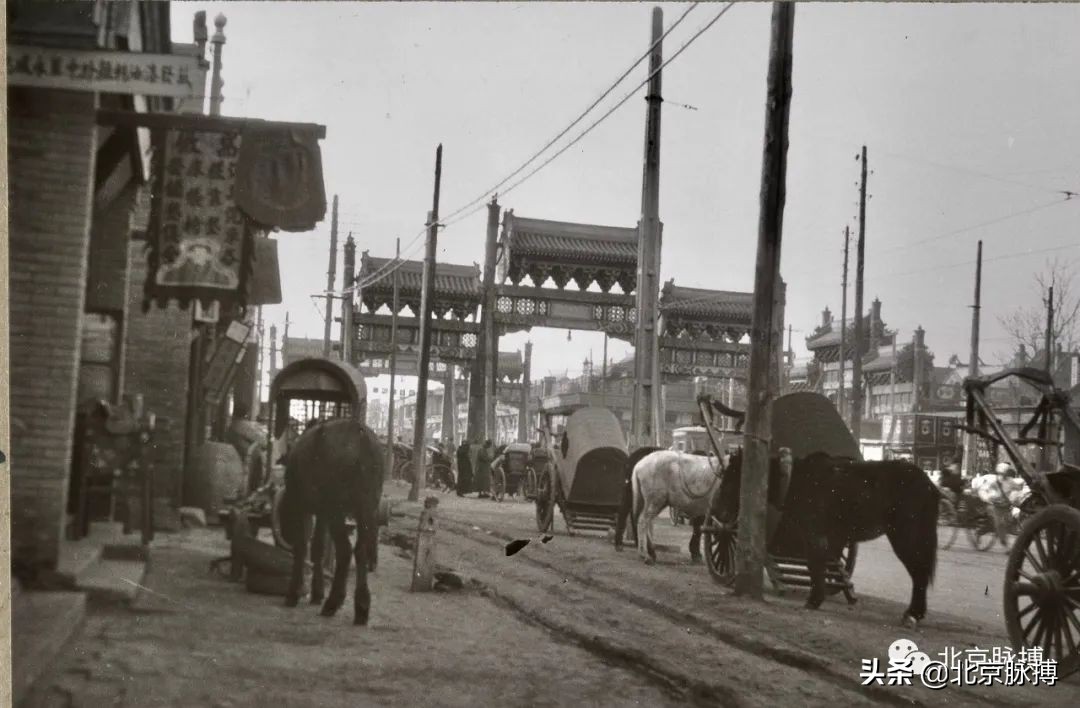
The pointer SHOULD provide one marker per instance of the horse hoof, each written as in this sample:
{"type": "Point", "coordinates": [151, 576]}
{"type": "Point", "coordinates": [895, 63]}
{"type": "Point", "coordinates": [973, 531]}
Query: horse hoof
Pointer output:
{"type": "Point", "coordinates": [316, 599]}
{"type": "Point", "coordinates": [695, 560]}
{"type": "Point", "coordinates": [811, 605]}
{"type": "Point", "coordinates": [650, 561]}
{"type": "Point", "coordinates": [360, 621]}
{"type": "Point", "coordinates": [328, 611]}
{"type": "Point", "coordinates": [909, 621]}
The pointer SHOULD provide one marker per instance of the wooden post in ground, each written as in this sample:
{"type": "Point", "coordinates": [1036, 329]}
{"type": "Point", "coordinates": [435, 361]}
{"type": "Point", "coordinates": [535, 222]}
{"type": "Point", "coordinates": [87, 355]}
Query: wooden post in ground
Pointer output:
{"type": "Point", "coordinates": [841, 401]}
{"type": "Point", "coordinates": [526, 381]}
{"type": "Point", "coordinates": [477, 425]}
{"type": "Point", "coordinates": [856, 364]}
{"type": "Point", "coordinates": [426, 298]}
{"type": "Point", "coordinates": [644, 423]}
{"type": "Point", "coordinates": [1048, 363]}
{"type": "Point", "coordinates": [349, 297]}
{"type": "Point", "coordinates": [973, 363]}
{"type": "Point", "coordinates": [393, 368]}
{"type": "Point", "coordinates": [331, 273]}
{"type": "Point", "coordinates": [765, 335]}
{"type": "Point", "coordinates": [423, 577]}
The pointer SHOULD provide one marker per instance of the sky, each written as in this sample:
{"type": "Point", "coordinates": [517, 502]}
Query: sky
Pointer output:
{"type": "Point", "coordinates": [969, 112]}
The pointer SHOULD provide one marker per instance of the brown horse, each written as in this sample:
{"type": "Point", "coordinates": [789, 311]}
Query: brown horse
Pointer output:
{"type": "Point", "coordinates": [334, 470]}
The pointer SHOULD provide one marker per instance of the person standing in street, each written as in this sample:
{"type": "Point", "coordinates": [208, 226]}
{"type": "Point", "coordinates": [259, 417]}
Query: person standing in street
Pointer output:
{"type": "Point", "coordinates": [482, 478]}
{"type": "Point", "coordinates": [464, 475]}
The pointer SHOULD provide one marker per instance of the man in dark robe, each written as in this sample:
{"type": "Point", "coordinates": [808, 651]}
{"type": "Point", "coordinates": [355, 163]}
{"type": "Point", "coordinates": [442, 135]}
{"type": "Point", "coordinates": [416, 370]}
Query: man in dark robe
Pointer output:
{"type": "Point", "coordinates": [464, 478]}
{"type": "Point", "coordinates": [482, 476]}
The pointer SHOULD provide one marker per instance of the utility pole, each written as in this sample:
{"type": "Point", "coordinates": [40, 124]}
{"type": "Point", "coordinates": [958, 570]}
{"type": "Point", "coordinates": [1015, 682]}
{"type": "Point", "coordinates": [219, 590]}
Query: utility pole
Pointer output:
{"type": "Point", "coordinates": [481, 405]}
{"type": "Point", "coordinates": [256, 394]}
{"type": "Point", "coordinates": [330, 274]}
{"type": "Point", "coordinates": [790, 360]}
{"type": "Point", "coordinates": [526, 380]}
{"type": "Point", "coordinates": [393, 363]}
{"type": "Point", "coordinates": [645, 426]}
{"type": "Point", "coordinates": [347, 301]}
{"type": "Point", "coordinates": [273, 351]}
{"type": "Point", "coordinates": [426, 296]}
{"type": "Point", "coordinates": [1048, 347]}
{"type": "Point", "coordinates": [856, 365]}
{"type": "Point", "coordinates": [973, 365]}
{"type": "Point", "coordinates": [842, 395]}
{"type": "Point", "coordinates": [765, 338]}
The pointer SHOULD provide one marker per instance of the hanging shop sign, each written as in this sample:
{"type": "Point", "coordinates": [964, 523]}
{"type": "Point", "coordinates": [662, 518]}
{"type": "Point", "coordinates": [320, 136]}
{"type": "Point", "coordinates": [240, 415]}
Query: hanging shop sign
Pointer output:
{"type": "Point", "coordinates": [218, 183]}
{"type": "Point", "coordinates": [103, 71]}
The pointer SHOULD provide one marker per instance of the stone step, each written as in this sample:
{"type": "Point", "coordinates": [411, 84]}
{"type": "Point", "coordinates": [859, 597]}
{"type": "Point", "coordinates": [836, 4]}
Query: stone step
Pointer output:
{"type": "Point", "coordinates": [42, 623]}
{"type": "Point", "coordinates": [112, 581]}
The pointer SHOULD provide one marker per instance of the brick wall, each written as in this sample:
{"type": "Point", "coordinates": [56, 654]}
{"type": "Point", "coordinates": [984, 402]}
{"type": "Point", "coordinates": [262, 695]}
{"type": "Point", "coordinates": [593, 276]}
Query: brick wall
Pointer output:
{"type": "Point", "coordinates": [157, 354]}
{"type": "Point", "coordinates": [51, 141]}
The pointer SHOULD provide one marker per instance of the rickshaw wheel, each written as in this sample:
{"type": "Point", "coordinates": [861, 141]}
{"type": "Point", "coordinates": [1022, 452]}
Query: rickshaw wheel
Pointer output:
{"type": "Point", "coordinates": [498, 484]}
{"type": "Point", "coordinates": [545, 501]}
{"type": "Point", "coordinates": [721, 534]}
{"type": "Point", "coordinates": [948, 524]}
{"type": "Point", "coordinates": [980, 525]}
{"type": "Point", "coordinates": [529, 484]}
{"type": "Point", "coordinates": [1042, 586]}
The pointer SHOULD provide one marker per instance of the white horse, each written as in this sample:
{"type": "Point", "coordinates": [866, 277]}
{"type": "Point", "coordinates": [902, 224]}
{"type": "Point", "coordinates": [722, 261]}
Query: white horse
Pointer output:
{"type": "Point", "coordinates": [669, 478]}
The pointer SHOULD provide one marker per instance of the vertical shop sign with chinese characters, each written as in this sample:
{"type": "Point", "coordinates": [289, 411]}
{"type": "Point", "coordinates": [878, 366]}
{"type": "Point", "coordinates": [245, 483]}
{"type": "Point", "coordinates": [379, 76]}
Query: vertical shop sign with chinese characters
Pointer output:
{"type": "Point", "coordinates": [202, 237]}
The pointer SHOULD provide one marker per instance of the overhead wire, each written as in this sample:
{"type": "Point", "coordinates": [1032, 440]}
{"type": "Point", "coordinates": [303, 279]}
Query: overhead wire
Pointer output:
{"type": "Point", "coordinates": [609, 112]}
{"type": "Point", "coordinates": [567, 129]}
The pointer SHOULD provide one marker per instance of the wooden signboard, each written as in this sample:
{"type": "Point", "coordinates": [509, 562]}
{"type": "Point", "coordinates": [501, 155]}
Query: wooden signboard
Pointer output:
{"type": "Point", "coordinates": [103, 71]}
{"type": "Point", "coordinates": [229, 352]}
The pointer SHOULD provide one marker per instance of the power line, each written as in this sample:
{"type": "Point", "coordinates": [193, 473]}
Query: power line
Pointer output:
{"type": "Point", "coordinates": [604, 117]}
{"type": "Point", "coordinates": [577, 120]}
{"type": "Point", "coordinates": [1005, 257]}
{"type": "Point", "coordinates": [965, 229]}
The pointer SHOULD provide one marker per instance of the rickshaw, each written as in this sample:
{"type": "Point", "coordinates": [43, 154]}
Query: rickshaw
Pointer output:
{"type": "Point", "coordinates": [805, 423]}
{"type": "Point", "coordinates": [538, 460]}
{"type": "Point", "coordinates": [1042, 574]}
{"type": "Point", "coordinates": [510, 477]}
{"type": "Point", "coordinates": [439, 474]}
{"type": "Point", "coordinates": [585, 473]}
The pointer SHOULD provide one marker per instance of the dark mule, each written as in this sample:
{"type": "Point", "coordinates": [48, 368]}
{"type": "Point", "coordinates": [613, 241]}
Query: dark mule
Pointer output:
{"type": "Point", "coordinates": [334, 470]}
{"type": "Point", "coordinates": [626, 506]}
{"type": "Point", "coordinates": [833, 502]}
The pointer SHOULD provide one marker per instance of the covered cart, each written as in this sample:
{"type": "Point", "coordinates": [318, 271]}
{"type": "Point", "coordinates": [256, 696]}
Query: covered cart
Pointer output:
{"type": "Point", "coordinates": [304, 392]}
{"type": "Point", "coordinates": [1042, 575]}
{"type": "Point", "coordinates": [509, 476]}
{"type": "Point", "coordinates": [585, 473]}
{"type": "Point", "coordinates": [805, 423]}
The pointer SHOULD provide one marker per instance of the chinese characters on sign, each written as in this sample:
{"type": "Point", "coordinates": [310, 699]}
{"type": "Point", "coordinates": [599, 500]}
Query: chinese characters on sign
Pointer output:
{"type": "Point", "coordinates": [972, 667]}
{"type": "Point", "coordinates": [200, 232]}
{"type": "Point", "coordinates": [104, 71]}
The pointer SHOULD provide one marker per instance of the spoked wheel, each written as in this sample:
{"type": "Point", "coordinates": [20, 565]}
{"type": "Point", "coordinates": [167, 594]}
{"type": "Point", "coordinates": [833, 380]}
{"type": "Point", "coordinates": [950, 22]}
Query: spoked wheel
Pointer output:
{"type": "Point", "coordinates": [1042, 587]}
{"type": "Point", "coordinates": [498, 484]}
{"type": "Point", "coordinates": [545, 501]}
{"type": "Point", "coordinates": [979, 524]}
{"type": "Point", "coordinates": [721, 531]}
{"type": "Point", "coordinates": [948, 524]}
{"type": "Point", "coordinates": [528, 483]}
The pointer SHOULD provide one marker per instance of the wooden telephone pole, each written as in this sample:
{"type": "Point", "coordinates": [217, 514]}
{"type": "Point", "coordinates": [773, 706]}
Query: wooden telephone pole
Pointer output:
{"type": "Point", "coordinates": [856, 364]}
{"type": "Point", "coordinates": [645, 420]}
{"type": "Point", "coordinates": [842, 395]}
{"type": "Point", "coordinates": [973, 364]}
{"type": "Point", "coordinates": [331, 272]}
{"type": "Point", "coordinates": [393, 365]}
{"type": "Point", "coordinates": [426, 296]}
{"type": "Point", "coordinates": [765, 338]}
{"type": "Point", "coordinates": [348, 333]}
{"type": "Point", "coordinates": [1048, 361]}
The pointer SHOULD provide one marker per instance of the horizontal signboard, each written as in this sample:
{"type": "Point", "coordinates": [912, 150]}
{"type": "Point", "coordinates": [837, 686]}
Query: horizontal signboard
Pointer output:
{"type": "Point", "coordinates": [103, 71]}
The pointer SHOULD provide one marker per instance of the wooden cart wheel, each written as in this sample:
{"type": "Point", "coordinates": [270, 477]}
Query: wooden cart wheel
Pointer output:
{"type": "Point", "coordinates": [1042, 587]}
{"type": "Point", "coordinates": [720, 534]}
{"type": "Point", "coordinates": [529, 484]}
{"type": "Point", "coordinates": [545, 501]}
{"type": "Point", "coordinates": [498, 484]}
{"type": "Point", "coordinates": [948, 524]}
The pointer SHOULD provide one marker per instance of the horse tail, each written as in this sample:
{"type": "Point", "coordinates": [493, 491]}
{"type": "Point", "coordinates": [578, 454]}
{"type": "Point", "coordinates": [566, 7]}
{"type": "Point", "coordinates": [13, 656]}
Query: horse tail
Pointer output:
{"type": "Point", "coordinates": [638, 499]}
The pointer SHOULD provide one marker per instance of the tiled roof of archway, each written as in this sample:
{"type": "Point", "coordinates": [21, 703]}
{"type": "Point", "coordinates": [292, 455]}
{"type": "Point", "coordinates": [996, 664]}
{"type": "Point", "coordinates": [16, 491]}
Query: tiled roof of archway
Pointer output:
{"type": "Point", "coordinates": [703, 304]}
{"type": "Point", "coordinates": [450, 279]}
{"type": "Point", "coordinates": [561, 240]}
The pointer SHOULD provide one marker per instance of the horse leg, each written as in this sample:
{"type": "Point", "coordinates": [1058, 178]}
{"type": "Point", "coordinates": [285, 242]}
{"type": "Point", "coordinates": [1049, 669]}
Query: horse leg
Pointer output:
{"type": "Point", "coordinates": [624, 514]}
{"type": "Point", "coordinates": [915, 544]}
{"type": "Point", "coordinates": [645, 527]}
{"type": "Point", "coordinates": [366, 537]}
{"type": "Point", "coordinates": [318, 549]}
{"type": "Point", "coordinates": [296, 579]}
{"type": "Point", "coordinates": [695, 539]}
{"type": "Point", "coordinates": [817, 553]}
{"type": "Point", "coordinates": [341, 566]}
